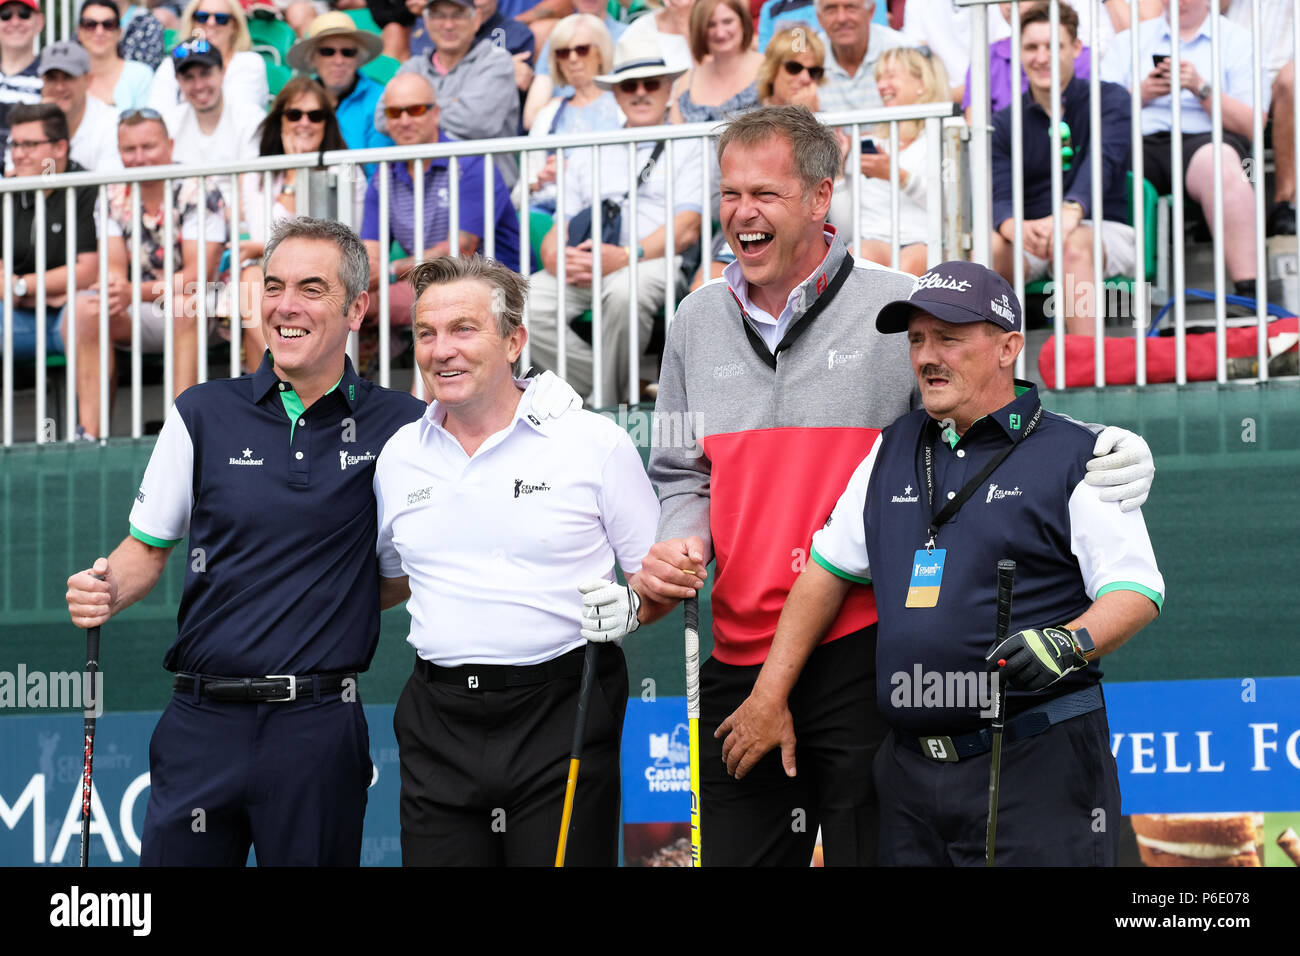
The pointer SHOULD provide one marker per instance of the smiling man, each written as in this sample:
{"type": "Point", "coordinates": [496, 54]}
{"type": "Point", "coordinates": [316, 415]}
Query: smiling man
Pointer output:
{"type": "Point", "coordinates": [501, 527]}
{"type": "Point", "coordinates": [65, 80]}
{"type": "Point", "coordinates": [780, 376]}
{"type": "Point", "coordinates": [20, 83]}
{"type": "Point", "coordinates": [269, 476]}
{"type": "Point", "coordinates": [855, 46]}
{"type": "Point", "coordinates": [1015, 473]}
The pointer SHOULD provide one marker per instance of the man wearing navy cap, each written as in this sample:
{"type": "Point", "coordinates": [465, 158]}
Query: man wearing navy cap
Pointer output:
{"type": "Point", "coordinates": [946, 492]}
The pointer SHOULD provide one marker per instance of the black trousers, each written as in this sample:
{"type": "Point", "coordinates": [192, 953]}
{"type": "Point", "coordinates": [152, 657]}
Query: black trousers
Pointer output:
{"type": "Point", "coordinates": [1058, 802]}
{"type": "Point", "coordinates": [484, 771]}
{"type": "Point", "coordinates": [769, 819]}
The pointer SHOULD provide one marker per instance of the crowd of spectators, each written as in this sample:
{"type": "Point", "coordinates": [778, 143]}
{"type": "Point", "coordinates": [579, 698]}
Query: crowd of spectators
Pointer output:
{"type": "Point", "coordinates": [185, 84]}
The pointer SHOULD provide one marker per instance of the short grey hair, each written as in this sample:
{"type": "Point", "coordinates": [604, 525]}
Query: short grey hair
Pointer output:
{"type": "Point", "coordinates": [354, 264]}
{"type": "Point", "coordinates": [818, 4]}
{"type": "Point", "coordinates": [816, 151]}
{"type": "Point", "coordinates": [509, 288]}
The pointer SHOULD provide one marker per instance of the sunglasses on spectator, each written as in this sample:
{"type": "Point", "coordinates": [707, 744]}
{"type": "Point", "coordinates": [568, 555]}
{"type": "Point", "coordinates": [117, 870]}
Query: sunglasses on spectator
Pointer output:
{"type": "Point", "coordinates": [221, 19]}
{"type": "Point", "coordinates": [22, 13]}
{"type": "Point", "coordinates": [582, 49]}
{"type": "Point", "coordinates": [190, 48]}
{"type": "Point", "coordinates": [329, 51]}
{"type": "Point", "coordinates": [144, 112]}
{"type": "Point", "coordinates": [651, 85]}
{"type": "Point", "coordinates": [108, 26]}
{"type": "Point", "coordinates": [415, 109]}
{"type": "Point", "coordinates": [794, 68]}
{"type": "Point", "coordinates": [293, 115]}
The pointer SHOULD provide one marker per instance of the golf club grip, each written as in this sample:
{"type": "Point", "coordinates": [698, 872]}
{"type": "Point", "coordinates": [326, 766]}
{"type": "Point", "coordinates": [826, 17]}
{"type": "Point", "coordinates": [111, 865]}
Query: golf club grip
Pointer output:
{"type": "Point", "coordinates": [584, 698]}
{"type": "Point", "coordinates": [1006, 579]}
{"type": "Point", "coordinates": [691, 606]}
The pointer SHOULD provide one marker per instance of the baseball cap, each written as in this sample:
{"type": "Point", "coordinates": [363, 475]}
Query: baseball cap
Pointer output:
{"type": "Point", "coordinates": [956, 292]}
{"type": "Point", "coordinates": [66, 57]}
{"type": "Point", "coordinates": [195, 51]}
{"type": "Point", "coordinates": [467, 4]}
{"type": "Point", "coordinates": [34, 4]}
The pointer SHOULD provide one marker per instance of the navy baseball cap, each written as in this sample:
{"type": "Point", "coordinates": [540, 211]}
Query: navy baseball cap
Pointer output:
{"type": "Point", "coordinates": [956, 292]}
{"type": "Point", "coordinates": [195, 50]}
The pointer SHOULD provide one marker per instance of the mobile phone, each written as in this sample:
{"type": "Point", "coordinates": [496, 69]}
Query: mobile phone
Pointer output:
{"type": "Point", "coordinates": [1158, 58]}
{"type": "Point", "coordinates": [869, 145]}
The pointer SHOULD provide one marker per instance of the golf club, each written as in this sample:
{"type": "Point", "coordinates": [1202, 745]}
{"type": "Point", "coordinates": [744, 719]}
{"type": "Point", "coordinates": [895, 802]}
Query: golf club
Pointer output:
{"type": "Point", "coordinates": [88, 754]}
{"type": "Point", "coordinates": [692, 610]}
{"type": "Point", "coordinates": [575, 751]}
{"type": "Point", "coordinates": [1006, 578]}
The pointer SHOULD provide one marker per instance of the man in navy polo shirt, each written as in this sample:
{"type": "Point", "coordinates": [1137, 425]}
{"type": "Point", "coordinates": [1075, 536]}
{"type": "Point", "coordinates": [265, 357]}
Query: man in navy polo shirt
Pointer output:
{"type": "Point", "coordinates": [269, 475]}
{"type": "Point", "coordinates": [946, 492]}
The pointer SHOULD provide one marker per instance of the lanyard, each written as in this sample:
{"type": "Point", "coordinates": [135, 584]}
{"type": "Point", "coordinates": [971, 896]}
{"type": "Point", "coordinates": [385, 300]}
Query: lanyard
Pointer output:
{"type": "Point", "coordinates": [955, 503]}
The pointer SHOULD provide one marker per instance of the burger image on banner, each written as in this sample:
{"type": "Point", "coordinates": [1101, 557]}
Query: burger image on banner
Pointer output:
{"type": "Point", "coordinates": [1200, 839]}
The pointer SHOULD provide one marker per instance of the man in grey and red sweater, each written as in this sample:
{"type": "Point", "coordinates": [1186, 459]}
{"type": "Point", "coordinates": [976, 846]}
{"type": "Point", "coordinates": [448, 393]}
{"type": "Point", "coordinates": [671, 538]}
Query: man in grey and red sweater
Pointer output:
{"type": "Point", "coordinates": [777, 383]}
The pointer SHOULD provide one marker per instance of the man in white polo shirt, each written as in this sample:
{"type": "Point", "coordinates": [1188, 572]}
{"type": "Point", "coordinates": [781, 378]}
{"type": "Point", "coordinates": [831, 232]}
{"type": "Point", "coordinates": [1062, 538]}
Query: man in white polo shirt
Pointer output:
{"type": "Point", "coordinates": [501, 527]}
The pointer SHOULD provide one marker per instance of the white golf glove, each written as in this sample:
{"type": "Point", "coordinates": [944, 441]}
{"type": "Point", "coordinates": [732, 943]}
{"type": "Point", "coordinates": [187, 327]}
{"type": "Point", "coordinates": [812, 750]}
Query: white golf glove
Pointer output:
{"type": "Point", "coordinates": [608, 611]}
{"type": "Point", "coordinates": [1126, 469]}
{"type": "Point", "coordinates": [553, 396]}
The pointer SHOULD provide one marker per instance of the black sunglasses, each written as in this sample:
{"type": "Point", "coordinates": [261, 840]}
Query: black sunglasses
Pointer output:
{"type": "Point", "coordinates": [22, 13]}
{"type": "Point", "coordinates": [651, 85]}
{"type": "Point", "coordinates": [90, 26]}
{"type": "Point", "coordinates": [582, 49]}
{"type": "Point", "coordinates": [221, 19]}
{"type": "Point", "coordinates": [794, 68]}
{"type": "Point", "coordinates": [294, 115]}
{"type": "Point", "coordinates": [329, 51]}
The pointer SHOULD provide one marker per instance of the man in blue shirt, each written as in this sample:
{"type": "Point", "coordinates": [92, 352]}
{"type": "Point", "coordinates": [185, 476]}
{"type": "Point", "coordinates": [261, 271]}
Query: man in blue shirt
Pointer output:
{"type": "Point", "coordinates": [1077, 215]}
{"type": "Point", "coordinates": [410, 107]}
{"type": "Point", "coordinates": [1196, 86]}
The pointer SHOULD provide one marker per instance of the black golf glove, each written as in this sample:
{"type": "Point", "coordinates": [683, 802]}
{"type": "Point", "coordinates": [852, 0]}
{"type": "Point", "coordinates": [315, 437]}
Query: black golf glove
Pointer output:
{"type": "Point", "coordinates": [1039, 657]}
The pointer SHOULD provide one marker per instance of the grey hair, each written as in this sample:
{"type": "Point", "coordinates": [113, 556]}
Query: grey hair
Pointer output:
{"type": "Point", "coordinates": [509, 288]}
{"type": "Point", "coordinates": [354, 264]}
{"type": "Point", "coordinates": [816, 151]}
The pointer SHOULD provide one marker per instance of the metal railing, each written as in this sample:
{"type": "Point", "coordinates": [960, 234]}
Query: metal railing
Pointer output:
{"type": "Point", "coordinates": [1144, 294]}
{"type": "Point", "coordinates": [345, 171]}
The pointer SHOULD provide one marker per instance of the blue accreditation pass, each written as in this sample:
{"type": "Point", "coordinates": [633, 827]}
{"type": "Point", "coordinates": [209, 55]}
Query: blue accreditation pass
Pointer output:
{"type": "Point", "coordinates": [927, 576]}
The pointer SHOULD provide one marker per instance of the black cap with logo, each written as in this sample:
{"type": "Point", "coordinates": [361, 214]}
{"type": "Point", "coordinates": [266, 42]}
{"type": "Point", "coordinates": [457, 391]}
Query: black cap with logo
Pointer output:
{"type": "Point", "coordinates": [956, 292]}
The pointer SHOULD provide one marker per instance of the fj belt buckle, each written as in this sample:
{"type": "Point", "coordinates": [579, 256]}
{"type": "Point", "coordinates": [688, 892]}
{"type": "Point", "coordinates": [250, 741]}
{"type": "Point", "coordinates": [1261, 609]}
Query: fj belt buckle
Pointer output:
{"type": "Point", "coordinates": [938, 748]}
{"type": "Point", "coordinates": [293, 688]}
{"type": "Point", "coordinates": [471, 681]}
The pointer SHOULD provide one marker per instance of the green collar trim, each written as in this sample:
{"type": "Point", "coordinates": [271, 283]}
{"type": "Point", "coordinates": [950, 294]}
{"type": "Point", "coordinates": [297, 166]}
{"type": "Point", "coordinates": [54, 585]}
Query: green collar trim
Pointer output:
{"type": "Point", "coordinates": [293, 405]}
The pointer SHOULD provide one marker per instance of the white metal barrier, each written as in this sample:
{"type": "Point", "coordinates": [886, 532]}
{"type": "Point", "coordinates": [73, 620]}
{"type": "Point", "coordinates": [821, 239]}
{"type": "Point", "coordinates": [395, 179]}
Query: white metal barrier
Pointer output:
{"type": "Point", "coordinates": [1144, 295]}
{"type": "Point", "coordinates": [345, 170]}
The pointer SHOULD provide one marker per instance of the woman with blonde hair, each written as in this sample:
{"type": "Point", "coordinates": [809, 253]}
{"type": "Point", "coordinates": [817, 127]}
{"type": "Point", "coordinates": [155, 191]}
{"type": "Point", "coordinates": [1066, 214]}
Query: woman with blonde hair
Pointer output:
{"type": "Point", "coordinates": [580, 50]}
{"type": "Point", "coordinates": [722, 80]}
{"type": "Point", "coordinates": [223, 24]}
{"type": "Point", "coordinates": [903, 77]}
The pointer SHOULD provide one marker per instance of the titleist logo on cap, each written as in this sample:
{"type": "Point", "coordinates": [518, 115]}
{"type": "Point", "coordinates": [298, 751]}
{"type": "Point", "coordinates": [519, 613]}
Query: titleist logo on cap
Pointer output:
{"type": "Point", "coordinates": [933, 280]}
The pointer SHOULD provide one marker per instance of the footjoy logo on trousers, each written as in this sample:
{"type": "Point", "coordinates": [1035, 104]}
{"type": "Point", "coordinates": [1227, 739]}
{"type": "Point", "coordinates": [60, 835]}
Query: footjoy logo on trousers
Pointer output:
{"type": "Point", "coordinates": [77, 909]}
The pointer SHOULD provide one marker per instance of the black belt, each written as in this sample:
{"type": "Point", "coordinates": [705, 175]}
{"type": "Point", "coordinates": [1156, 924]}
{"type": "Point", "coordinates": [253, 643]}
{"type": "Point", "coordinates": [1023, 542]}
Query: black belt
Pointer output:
{"type": "Point", "coordinates": [501, 676]}
{"type": "Point", "coordinates": [275, 688]}
{"type": "Point", "coordinates": [1030, 723]}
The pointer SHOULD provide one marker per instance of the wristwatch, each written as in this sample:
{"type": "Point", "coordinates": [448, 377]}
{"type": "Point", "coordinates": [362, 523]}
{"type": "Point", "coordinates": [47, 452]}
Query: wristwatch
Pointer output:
{"type": "Point", "coordinates": [1204, 90]}
{"type": "Point", "coordinates": [1083, 642]}
{"type": "Point", "coordinates": [20, 287]}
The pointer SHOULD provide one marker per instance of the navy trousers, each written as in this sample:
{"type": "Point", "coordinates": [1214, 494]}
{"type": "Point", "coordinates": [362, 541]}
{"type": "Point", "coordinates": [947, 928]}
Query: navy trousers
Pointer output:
{"type": "Point", "coordinates": [289, 779]}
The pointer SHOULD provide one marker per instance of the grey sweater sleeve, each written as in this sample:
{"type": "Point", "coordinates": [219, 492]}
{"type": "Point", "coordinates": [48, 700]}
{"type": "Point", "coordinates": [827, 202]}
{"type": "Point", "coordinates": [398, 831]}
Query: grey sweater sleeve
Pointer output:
{"type": "Point", "coordinates": [678, 466]}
